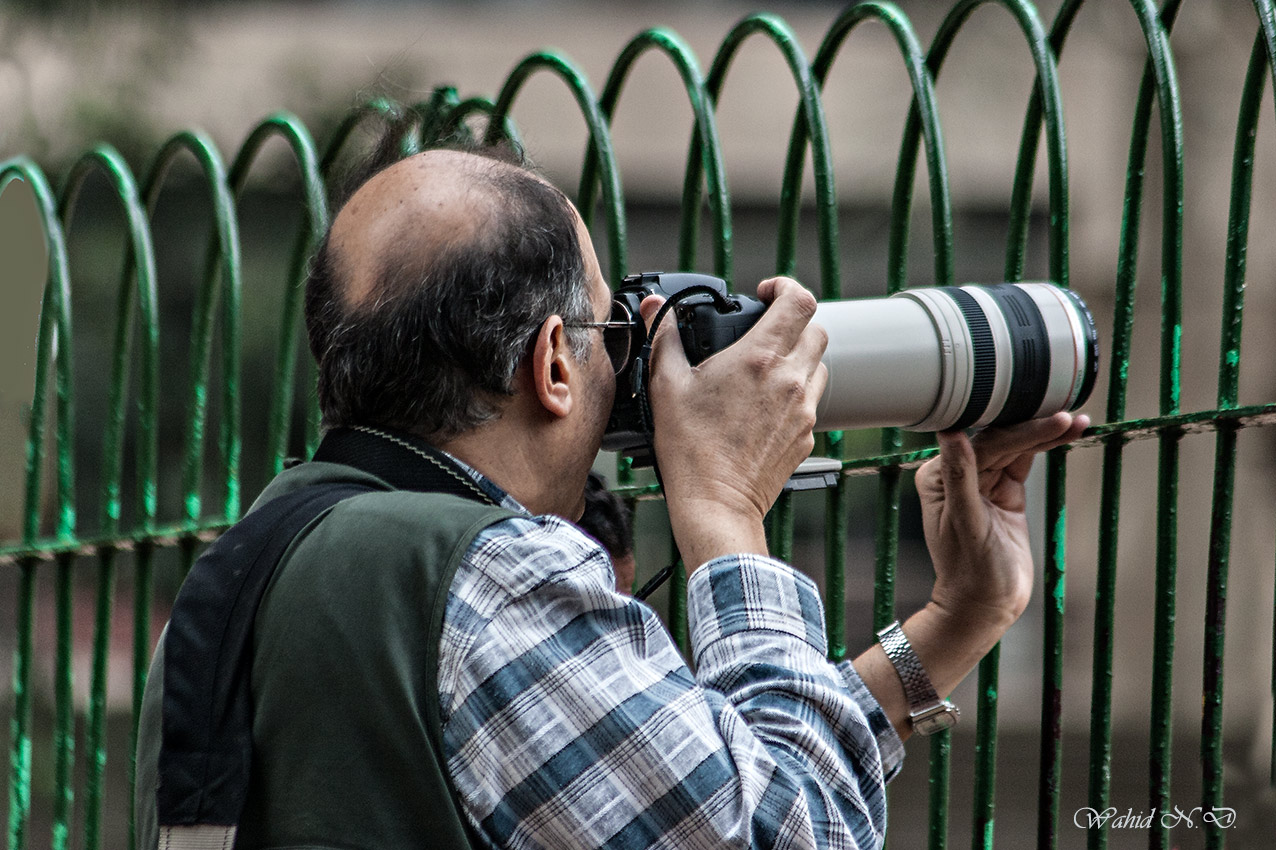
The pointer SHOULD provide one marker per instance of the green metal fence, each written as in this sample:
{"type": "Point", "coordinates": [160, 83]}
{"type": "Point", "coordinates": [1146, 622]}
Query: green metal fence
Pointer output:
{"type": "Point", "coordinates": [52, 549]}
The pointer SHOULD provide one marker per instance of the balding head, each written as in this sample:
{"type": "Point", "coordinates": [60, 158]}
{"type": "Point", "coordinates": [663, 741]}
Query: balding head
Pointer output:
{"type": "Point", "coordinates": [429, 284]}
{"type": "Point", "coordinates": [410, 213]}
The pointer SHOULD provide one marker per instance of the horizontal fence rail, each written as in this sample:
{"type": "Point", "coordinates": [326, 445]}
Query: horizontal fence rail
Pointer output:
{"type": "Point", "coordinates": [51, 546]}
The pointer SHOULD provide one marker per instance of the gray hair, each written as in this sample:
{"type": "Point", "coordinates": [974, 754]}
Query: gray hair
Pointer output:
{"type": "Point", "coordinates": [433, 350]}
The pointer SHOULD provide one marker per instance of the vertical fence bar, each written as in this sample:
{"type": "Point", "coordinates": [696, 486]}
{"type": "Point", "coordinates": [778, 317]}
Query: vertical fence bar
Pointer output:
{"type": "Point", "coordinates": [95, 727]}
{"type": "Point", "coordinates": [780, 520]}
{"type": "Point", "coordinates": [63, 710]}
{"type": "Point", "coordinates": [1163, 631]}
{"type": "Point", "coordinates": [922, 123]}
{"type": "Point", "coordinates": [1052, 640]}
{"type": "Point", "coordinates": [678, 599]}
{"type": "Point", "coordinates": [20, 726]}
{"type": "Point", "coordinates": [1158, 78]}
{"type": "Point", "coordinates": [142, 582]}
{"type": "Point", "coordinates": [985, 810]}
{"type": "Point", "coordinates": [64, 715]}
{"type": "Point", "coordinates": [923, 114]}
{"type": "Point", "coordinates": [1267, 22]}
{"type": "Point", "coordinates": [1167, 466]}
{"type": "Point", "coordinates": [1045, 103]}
{"type": "Point", "coordinates": [1225, 448]}
{"type": "Point", "coordinates": [836, 517]}
{"type": "Point", "coordinates": [1110, 498]}
{"type": "Point", "coordinates": [1100, 773]}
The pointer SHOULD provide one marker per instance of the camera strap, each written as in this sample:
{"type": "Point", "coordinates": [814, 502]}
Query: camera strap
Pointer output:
{"type": "Point", "coordinates": [641, 383]}
{"type": "Point", "coordinates": [642, 365]}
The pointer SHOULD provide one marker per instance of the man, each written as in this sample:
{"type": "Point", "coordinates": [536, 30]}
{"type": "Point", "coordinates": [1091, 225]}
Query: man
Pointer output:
{"type": "Point", "coordinates": [456, 314]}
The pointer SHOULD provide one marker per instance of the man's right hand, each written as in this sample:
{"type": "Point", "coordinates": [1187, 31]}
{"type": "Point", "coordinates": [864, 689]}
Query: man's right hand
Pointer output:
{"type": "Point", "coordinates": [730, 431]}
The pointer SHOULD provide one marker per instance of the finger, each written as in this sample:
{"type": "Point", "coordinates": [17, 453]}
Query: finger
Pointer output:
{"type": "Point", "coordinates": [791, 306]}
{"type": "Point", "coordinates": [811, 345]}
{"type": "Point", "coordinates": [817, 383]}
{"type": "Point", "coordinates": [1019, 467]}
{"type": "Point", "coordinates": [997, 447]}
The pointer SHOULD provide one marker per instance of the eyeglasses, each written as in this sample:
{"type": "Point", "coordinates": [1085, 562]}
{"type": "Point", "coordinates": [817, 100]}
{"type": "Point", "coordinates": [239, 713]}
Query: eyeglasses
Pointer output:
{"type": "Point", "coordinates": [616, 334]}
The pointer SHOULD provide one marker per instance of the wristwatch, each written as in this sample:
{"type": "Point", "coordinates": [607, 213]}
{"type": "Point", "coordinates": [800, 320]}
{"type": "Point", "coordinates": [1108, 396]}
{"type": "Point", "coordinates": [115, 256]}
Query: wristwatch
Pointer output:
{"type": "Point", "coordinates": [927, 712]}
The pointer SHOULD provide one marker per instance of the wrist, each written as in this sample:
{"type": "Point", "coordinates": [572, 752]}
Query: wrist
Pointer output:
{"type": "Point", "coordinates": [966, 615]}
{"type": "Point", "coordinates": [950, 642]}
{"type": "Point", "coordinates": [705, 530]}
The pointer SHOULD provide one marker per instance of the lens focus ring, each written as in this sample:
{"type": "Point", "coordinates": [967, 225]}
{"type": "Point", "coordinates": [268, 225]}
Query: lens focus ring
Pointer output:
{"type": "Point", "coordinates": [985, 356]}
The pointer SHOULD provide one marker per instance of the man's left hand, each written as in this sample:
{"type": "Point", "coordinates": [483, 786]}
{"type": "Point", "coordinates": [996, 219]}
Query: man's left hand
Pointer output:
{"type": "Point", "coordinates": [973, 503]}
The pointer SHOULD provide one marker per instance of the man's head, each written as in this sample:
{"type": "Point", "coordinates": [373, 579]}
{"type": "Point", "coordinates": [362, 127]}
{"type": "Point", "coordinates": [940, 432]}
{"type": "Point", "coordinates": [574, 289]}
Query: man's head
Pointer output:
{"type": "Point", "coordinates": [441, 302]}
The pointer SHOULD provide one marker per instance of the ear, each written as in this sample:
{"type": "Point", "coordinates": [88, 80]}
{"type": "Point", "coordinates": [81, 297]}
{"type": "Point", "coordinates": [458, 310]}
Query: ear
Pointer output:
{"type": "Point", "coordinates": [553, 368]}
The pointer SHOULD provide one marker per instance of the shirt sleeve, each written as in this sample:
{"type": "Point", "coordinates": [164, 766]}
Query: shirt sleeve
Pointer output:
{"type": "Point", "coordinates": [571, 719]}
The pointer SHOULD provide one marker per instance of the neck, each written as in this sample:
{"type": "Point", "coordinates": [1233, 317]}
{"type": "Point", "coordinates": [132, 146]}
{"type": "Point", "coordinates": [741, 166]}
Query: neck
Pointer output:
{"type": "Point", "coordinates": [518, 461]}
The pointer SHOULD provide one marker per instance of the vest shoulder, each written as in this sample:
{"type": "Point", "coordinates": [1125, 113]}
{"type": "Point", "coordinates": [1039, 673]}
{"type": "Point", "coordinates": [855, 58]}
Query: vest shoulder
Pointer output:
{"type": "Point", "coordinates": [394, 523]}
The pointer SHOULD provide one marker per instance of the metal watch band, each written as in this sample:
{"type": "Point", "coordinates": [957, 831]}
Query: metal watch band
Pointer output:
{"type": "Point", "coordinates": [927, 711]}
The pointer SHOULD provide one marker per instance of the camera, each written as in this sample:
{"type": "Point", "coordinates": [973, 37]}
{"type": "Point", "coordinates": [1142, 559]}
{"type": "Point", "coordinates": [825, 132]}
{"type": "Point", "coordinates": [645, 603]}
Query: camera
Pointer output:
{"type": "Point", "coordinates": [925, 359]}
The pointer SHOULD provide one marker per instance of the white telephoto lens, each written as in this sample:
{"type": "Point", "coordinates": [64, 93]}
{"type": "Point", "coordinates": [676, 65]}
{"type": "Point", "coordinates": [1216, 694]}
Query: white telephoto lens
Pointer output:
{"type": "Point", "coordinates": [935, 358]}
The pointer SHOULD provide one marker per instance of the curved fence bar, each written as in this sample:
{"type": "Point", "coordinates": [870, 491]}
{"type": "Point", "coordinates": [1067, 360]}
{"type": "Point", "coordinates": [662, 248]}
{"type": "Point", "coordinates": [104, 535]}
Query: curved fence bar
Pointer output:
{"type": "Point", "coordinates": [706, 135]}
{"type": "Point", "coordinates": [434, 111]}
{"type": "Point", "coordinates": [106, 160]}
{"type": "Point", "coordinates": [222, 266]}
{"type": "Point", "coordinates": [811, 114]}
{"type": "Point", "coordinates": [444, 115]}
{"type": "Point", "coordinates": [1262, 61]}
{"type": "Point", "coordinates": [385, 109]}
{"type": "Point", "coordinates": [1052, 706]}
{"type": "Point", "coordinates": [1168, 451]}
{"type": "Point", "coordinates": [599, 143]}
{"type": "Point", "coordinates": [1043, 58]}
{"type": "Point", "coordinates": [452, 122]}
{"type": "Point", "coordinates": [137, 283]}
{"type": "Point", "coordinates": [927, 110]}
{"type": "Point", "coordinates": [54, 342]}
{"type": "Point", "coordinates": [1158, 79]}
{"type": "Point", "coordinates": [137, 286]}
{"type": "Point", "coordinates": [314, 224]}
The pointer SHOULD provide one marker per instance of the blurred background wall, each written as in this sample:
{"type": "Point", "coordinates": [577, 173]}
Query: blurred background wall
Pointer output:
{"type": "Point", "coordinates": [131, 74]}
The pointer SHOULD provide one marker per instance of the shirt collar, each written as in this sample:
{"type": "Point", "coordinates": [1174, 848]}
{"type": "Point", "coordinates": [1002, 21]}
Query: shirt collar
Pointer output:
{"type": "Point", "coordinates": [487, 485]}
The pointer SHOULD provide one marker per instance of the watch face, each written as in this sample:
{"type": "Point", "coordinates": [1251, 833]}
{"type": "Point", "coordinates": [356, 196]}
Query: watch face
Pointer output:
{"type": "Point", "coordinates": [935, 719]}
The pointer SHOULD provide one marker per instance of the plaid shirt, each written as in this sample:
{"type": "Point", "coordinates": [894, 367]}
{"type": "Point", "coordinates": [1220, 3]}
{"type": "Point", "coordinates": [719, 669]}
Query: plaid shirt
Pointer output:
{"type": "Point", "coordinates": [570, 719]}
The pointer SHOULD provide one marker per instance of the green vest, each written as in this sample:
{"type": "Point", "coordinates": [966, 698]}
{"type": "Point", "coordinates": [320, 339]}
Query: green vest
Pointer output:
{"type": "Point", "coordinates": [345, 678]}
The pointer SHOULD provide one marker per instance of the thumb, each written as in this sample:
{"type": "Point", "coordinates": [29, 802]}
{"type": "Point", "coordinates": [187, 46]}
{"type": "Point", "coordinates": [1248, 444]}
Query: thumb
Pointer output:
{"type": "Point", "coordinates": [666, 346]}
